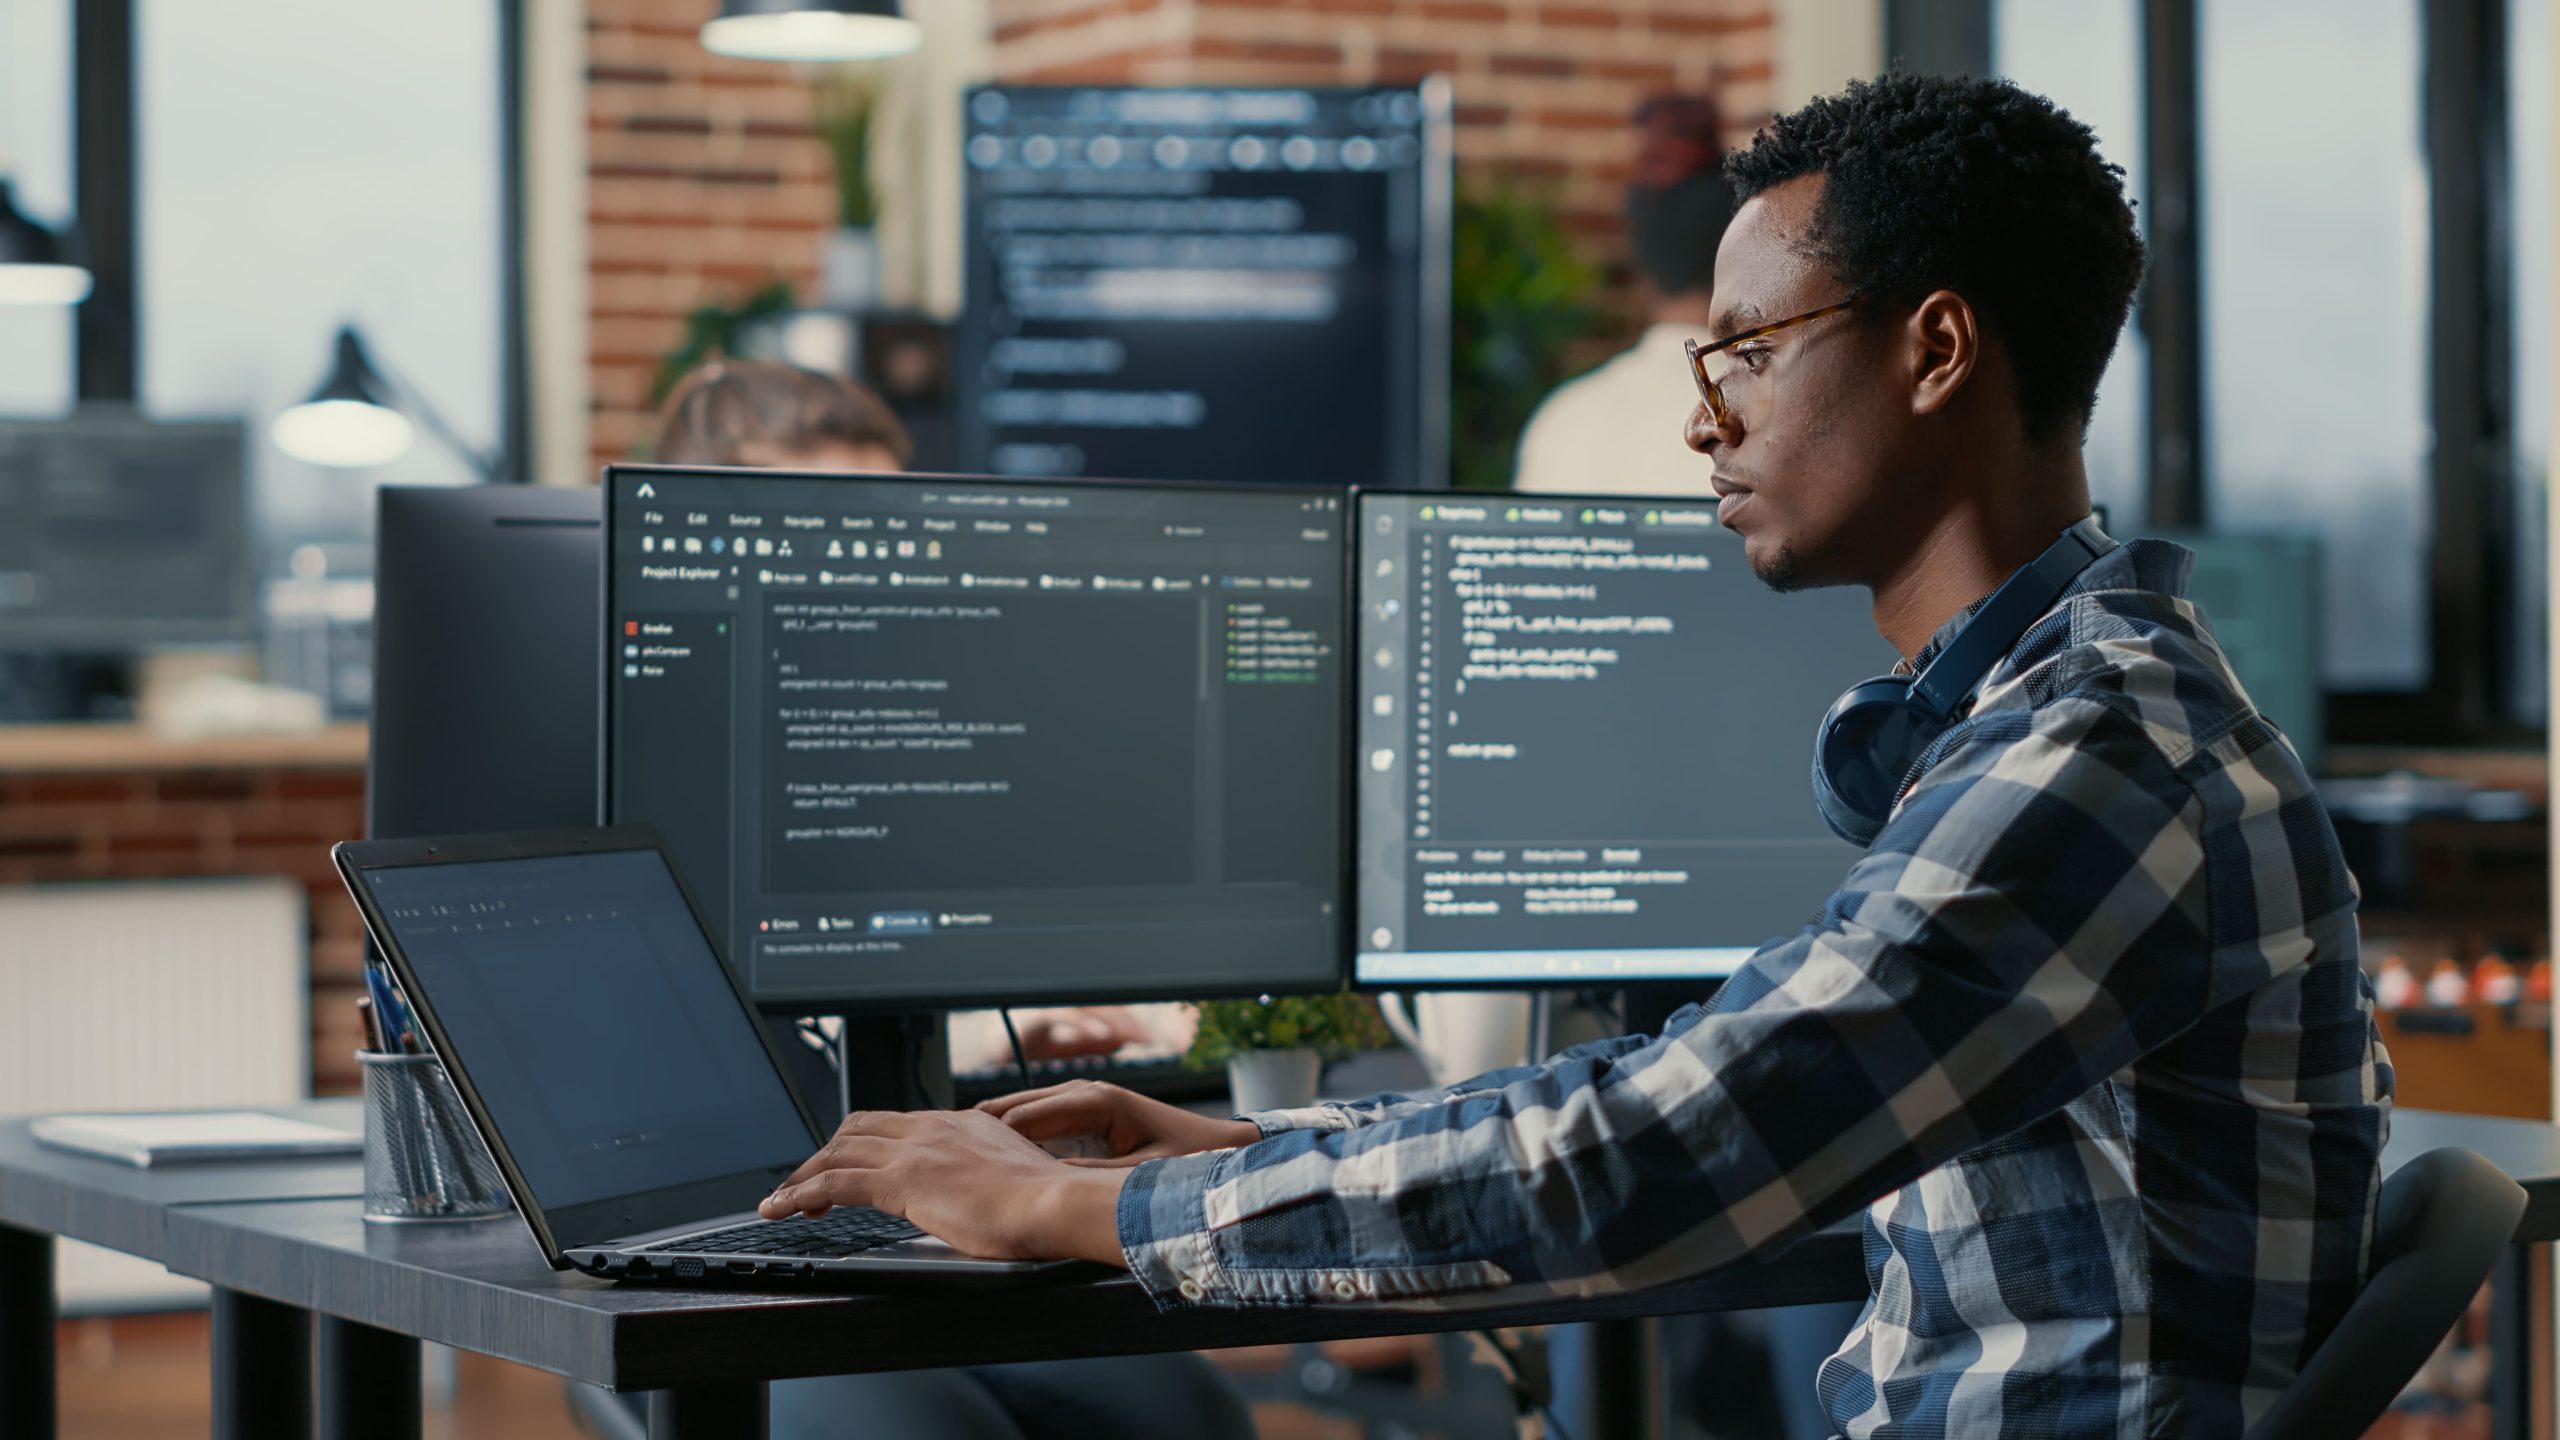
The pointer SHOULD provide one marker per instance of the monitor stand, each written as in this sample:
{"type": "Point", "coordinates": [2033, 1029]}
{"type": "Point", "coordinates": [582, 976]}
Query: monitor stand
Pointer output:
{"type": "Point", "coordinates": [899, 1061]}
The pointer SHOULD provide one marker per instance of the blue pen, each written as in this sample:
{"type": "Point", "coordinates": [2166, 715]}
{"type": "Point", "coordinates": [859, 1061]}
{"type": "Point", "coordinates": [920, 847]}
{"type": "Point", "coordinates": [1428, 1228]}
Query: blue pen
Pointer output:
{"type": "Point", "coordinates": [386, 1005]}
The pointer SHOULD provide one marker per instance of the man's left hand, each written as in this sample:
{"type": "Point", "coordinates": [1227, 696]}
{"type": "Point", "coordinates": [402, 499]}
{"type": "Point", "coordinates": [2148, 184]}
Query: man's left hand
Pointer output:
{"type": "Point", "coordinates": [964, 1178]}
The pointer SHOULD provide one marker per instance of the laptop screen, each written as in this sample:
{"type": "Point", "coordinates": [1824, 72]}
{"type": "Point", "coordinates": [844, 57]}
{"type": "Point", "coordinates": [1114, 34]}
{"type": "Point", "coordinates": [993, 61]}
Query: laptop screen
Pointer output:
{"type": "Point", "coordinates": [579, 995]}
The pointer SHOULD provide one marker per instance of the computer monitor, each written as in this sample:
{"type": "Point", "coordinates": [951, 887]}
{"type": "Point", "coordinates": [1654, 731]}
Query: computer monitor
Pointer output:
{"type": "Point", "coordinates": [1584, 731]}
{"type": "Point", "coordinates": [485, 663]}
{"type": "Point", "coordinates": [1209, 284]}
{"type": "Point", "coordinates": [924, 741]}
{"type": "Point", "coordinates": [119, 532]}
{"type": "Point", "coordinates": [2262, 595]}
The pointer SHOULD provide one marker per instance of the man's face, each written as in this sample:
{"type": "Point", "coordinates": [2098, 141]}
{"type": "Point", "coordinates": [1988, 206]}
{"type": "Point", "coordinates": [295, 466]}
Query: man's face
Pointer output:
{"type": "Point", "coordinates": [1807, 448]}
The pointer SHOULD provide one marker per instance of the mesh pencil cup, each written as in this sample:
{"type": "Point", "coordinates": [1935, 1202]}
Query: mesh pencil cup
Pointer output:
{"type": "Point", "coordinates": [422, 1159]}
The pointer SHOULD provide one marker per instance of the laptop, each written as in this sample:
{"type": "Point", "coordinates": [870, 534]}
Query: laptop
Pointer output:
{"type": "Point", "coordinates": [613, 1067]}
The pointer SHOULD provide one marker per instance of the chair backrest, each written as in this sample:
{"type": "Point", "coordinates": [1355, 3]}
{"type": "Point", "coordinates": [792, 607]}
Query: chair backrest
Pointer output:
{"type": "Point", "coordinates": [2443, 1219]}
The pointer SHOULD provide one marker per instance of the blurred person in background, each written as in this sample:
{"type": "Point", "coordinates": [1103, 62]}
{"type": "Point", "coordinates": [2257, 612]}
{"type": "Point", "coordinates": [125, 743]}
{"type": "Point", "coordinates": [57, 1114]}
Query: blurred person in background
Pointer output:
{"type": "Point", "coordinates": [1602, 433]}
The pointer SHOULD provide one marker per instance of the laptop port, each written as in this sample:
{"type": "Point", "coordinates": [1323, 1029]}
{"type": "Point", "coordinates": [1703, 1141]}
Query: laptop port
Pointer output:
{"type": "Point", "coordinates": [742, 1267]}
{"type": "Point", "coordinates": [688, 1269]}
{"type": "Point", "coordinates": [639, 1266]}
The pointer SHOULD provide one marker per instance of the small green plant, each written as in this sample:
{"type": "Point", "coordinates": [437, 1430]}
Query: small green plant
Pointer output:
{"type": "Point", "coordinates": [712, 332]}
{"type": "Point", "coordinates": [1519, 297]}
{"type": "Point", "coordinates": [1333, 1024]}
{"type": "Point", "coordinates": [848, 104]}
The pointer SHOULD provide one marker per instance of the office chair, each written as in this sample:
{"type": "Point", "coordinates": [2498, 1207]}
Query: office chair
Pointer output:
{"type": "Point", "coordinates": [2443, 1220]}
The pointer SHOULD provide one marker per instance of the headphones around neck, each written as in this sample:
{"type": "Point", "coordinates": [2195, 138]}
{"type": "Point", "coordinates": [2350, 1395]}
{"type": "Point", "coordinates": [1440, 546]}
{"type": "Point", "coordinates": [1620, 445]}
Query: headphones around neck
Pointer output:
{"type": "Point", "coordinates": [1876, 732]}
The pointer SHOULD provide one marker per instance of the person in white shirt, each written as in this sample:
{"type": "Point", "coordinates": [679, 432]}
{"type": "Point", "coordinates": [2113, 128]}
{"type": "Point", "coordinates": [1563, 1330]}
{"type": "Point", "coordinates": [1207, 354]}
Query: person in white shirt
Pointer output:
{"type": "Point", "coordinates": [1600, 434]}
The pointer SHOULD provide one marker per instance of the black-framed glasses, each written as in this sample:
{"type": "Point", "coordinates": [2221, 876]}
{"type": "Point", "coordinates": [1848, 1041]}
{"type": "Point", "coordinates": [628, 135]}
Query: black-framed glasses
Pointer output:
{"type": "Point", "coordinates": [1709, 364]}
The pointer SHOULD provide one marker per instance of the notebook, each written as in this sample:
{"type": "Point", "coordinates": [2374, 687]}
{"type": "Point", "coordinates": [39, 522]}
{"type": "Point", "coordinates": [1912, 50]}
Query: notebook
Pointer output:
{"type": "Point", "coordinates": [144, 1139]}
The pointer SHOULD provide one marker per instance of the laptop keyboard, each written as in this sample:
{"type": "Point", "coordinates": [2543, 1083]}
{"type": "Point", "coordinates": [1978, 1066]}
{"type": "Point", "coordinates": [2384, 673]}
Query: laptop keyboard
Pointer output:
{"type": "Point", "coordinates": [832, 1236]}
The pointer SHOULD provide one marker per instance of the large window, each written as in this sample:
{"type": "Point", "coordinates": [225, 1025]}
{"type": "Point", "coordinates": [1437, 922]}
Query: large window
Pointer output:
{"type": "Point", "coordinates": [302, 164]}
{"type": "Point", "coordinates": [2529, 146]}
{"type": "Point", "coordinates": [2350, 212]}
{"type": "Point", "coordinates": [2315, 308]}
{"type": "Point", "coordinates": [2086, 55]}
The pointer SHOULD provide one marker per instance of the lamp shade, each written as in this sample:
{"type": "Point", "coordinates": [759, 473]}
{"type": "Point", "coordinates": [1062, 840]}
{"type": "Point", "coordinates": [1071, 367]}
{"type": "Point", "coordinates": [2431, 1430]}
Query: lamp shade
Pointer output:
{"type": "Point", "coordinates": [349, 420]}
{"type": "Point", "coordinates": [36, 267]}
{"type": "Point", "coordinates": [824, 31]}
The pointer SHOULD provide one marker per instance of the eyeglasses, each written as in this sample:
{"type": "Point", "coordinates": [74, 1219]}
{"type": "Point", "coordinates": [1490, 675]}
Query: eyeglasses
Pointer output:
{"type": "Point", "coordinates": [1709, 364]}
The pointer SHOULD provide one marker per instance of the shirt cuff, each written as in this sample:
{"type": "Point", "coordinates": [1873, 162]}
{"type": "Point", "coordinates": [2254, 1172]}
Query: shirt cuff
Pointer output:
{"type": "Point", "coordinates": [1164, 1228]}
{"type": "Point", "coordinates": [1312, 1117]}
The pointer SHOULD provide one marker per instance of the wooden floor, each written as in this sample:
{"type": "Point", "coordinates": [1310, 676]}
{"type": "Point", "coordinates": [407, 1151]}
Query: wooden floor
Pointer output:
{"type": "Point", "coordinates": [147, 1378]}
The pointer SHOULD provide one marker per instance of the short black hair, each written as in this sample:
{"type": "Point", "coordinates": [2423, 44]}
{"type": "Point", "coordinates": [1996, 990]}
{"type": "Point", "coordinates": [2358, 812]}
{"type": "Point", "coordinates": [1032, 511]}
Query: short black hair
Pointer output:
{"type": "Point", "coordinates": [1978, 187]}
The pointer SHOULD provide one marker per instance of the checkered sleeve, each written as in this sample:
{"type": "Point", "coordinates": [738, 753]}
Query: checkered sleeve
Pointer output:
{"type": "Point", "coordinates": [1395, 1105]}
{"type": "Point", "coordinates": [2031, 921]}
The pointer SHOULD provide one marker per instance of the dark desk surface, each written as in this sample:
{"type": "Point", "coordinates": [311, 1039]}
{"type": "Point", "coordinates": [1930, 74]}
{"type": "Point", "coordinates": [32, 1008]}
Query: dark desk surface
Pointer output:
{"type": "Point", "coordinates": [291, 1232]}
{"type": "Point", "coordinates": [484, 1287]}
{"type": "Point", "coordinates": [124, 1207]}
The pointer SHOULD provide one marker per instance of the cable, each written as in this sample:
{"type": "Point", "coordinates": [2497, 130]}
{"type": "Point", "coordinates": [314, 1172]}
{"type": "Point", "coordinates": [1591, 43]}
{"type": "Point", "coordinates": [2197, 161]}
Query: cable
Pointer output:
{"type": "Point", "coordinates": [1014, 1038]}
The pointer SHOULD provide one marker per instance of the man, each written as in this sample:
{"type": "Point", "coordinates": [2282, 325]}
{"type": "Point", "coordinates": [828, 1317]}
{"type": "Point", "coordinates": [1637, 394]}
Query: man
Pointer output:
{"type": "Point", "coordinates": [1602, 433]}
{"type": "Point", "coordinates": [2083, 1030]}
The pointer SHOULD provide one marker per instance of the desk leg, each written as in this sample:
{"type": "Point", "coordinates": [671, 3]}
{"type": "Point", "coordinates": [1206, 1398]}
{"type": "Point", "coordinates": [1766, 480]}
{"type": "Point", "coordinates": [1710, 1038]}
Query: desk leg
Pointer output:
{"type": "Point", "coordinates": [699, 1412]}
{"type": "Point", "coordinates": [368, 1382]}
{"type": "Point", "coordinates": [26, 1332]}
{"type": "Point", "coordinates": [1628, 1397]}
{"type": "Point", "coordinates": [261, 1367]}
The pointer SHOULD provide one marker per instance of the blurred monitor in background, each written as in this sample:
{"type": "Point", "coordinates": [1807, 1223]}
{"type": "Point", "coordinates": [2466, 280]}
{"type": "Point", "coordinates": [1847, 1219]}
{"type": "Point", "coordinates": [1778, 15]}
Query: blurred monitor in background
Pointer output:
{"type": "Point", "coordinates": [118, 535]}
{"type": "Point", "coordinates": [2262, 594]}
{"type": "Point", "coordinates": [1207, 284]}
{"type": "Point", "coordinates": [1616, 431]}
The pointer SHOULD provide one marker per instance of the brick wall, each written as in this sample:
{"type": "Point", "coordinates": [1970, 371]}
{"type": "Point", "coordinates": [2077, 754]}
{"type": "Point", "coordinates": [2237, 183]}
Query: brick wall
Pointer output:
{"type": "Point", "coordinates": [197, 824]}
{"type": "Point", "coordinates": [705, 182]}
{"type": "Point", "coordinates": [1543, 88]}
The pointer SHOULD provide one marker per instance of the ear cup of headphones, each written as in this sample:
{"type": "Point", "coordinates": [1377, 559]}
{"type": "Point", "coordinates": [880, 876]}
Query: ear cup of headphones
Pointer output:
{"type": "Point", "coordinates": [1868, 742]}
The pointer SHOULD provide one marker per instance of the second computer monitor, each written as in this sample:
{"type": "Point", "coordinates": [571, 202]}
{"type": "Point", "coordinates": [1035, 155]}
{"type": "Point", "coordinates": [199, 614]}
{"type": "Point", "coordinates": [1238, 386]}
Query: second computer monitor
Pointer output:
{"type": "Point", "coordinates": [920, 741]}
{"type": "Point", "coordinates": [1583, 736]}
{"type": "Point", "coordinates": [1215, 283]}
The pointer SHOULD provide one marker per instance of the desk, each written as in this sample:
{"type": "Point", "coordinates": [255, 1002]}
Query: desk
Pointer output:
{"type": "Point", "coordinates": [276, 1259]}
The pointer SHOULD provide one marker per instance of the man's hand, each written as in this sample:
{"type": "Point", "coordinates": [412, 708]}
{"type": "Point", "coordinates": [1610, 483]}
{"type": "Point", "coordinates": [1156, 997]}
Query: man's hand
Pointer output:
{"type": "Point", "coordinates": [1132, 1127]}
{"type": "Point", "coordinates": [963, 1178]}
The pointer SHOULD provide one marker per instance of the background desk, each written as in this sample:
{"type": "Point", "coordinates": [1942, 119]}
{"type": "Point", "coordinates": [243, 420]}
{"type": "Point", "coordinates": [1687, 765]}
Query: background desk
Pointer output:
{"type": "Point", "coordinates": [284, 1242]}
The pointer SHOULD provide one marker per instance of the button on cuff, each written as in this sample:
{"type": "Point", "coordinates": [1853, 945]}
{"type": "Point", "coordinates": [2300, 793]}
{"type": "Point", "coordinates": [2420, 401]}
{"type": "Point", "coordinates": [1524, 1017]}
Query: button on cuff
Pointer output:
{"type": "Point", "coordinates": [1191, 1289]}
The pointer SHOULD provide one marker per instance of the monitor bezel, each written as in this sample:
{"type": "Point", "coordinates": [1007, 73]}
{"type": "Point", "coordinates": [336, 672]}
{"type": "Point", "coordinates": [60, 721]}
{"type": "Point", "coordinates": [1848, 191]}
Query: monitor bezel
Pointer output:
{"type": "Point", "coordinates": [592, 1221]}
{"type": "Point", "coordinates": [1362, 982]}
{"type": "Point", "coordinates": [854, 1002]}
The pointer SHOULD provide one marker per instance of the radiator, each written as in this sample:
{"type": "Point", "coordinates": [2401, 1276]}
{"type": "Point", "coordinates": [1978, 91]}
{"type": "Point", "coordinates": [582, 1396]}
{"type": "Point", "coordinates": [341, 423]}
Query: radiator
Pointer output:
{"type": "Point", "coordinates": [165, 994]}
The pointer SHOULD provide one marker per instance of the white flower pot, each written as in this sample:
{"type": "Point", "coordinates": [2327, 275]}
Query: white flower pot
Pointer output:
{"type": "Point", "coordinates": [849, 269]}
{"type": "Point", "coordinates": [1272, 1079]}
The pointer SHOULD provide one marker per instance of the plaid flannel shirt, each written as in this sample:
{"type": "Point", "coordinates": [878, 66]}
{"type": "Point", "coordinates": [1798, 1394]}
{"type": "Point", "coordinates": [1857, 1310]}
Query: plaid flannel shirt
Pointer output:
{"type": "Point", "coordinates": [2084, 1033]}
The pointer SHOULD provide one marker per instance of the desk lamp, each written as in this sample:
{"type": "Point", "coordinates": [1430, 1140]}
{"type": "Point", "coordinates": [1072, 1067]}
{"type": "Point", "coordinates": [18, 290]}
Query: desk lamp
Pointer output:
{"type": "Point", "coordinates": [36, 267]}
{"type": "Point", "coordinates": [355, 418]}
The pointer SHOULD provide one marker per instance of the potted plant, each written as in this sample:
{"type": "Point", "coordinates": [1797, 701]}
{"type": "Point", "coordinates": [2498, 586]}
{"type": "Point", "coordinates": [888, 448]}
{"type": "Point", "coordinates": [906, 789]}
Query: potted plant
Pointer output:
{"type": "Point", "coordinates": [1520, 300]}
{"type": "Point", "coordinates": [1273, 1047]}
{"type": "Point", "coordinates": [716, 331]}
{"type": "Point", "coordinates": [849, 267]}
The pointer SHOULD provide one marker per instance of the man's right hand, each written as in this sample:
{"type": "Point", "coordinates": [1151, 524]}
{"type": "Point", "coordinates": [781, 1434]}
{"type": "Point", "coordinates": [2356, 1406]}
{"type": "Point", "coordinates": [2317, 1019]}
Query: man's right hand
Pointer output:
{"type": "Point", "coordinates": [1132, 1127]}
